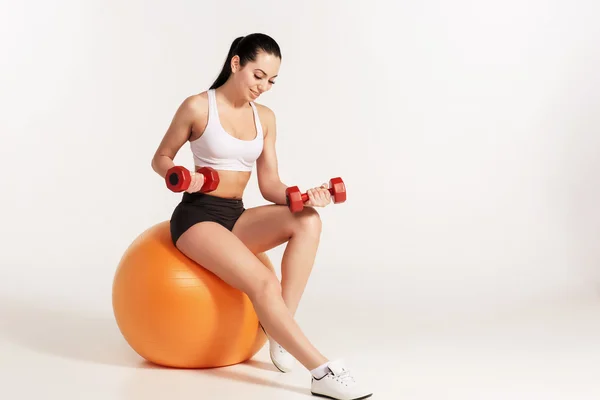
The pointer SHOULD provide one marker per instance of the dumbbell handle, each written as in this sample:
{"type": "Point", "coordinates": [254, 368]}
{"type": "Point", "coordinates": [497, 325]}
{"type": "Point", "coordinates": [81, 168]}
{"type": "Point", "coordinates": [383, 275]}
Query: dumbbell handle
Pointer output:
{"type": "Point", "coordinates": [178, 179]}
{"type": "Point", "coordinates": [295, 200]}
{"type": "Point", "coordinates": [305, 195]}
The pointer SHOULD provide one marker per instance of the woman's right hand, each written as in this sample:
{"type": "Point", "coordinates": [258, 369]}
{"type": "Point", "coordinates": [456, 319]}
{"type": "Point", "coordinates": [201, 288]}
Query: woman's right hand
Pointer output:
{"type": "Point", "coordinates": [196, 183]}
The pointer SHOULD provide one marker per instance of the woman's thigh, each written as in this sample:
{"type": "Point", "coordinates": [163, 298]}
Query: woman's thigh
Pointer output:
{"type": "Point", "coordinates": [224, 254]}
{"type": "Point", "coordinates": [265, 227]}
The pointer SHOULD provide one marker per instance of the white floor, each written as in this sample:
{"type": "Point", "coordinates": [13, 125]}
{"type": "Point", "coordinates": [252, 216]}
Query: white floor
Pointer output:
{"type": "Point", "coordinates": [548, 351]}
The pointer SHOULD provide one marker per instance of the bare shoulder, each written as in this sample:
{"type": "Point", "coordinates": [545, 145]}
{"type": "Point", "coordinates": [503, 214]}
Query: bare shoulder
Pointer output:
{"type": "Point", "coordinates": [264, 111]}
{"type": "Point", "coordinates": [196, 108]}
{"type": "Point", "coordinates": [196, 104]}
{"type": "Point", "coordinates": [267, 117]}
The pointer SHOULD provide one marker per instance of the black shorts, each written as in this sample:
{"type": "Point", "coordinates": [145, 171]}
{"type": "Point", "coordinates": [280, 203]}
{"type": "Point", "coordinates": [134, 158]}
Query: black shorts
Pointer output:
{"type": "Point", "coordinates": [200, 207]}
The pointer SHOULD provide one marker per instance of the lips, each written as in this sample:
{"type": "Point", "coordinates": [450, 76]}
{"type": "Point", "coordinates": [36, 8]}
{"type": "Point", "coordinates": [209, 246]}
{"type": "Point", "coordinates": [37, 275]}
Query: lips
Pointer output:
{"type": "Point", "coordinates": [254, 93]}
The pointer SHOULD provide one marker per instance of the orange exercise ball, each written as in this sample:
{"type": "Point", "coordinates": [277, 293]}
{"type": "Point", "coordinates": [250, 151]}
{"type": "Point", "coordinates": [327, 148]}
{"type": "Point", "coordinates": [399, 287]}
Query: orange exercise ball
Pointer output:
{"type": "Point", "coordinates": [175, 313]}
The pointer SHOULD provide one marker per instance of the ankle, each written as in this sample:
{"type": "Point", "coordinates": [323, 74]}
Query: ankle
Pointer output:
{"type": "Point", "coordinates": [320, 370]}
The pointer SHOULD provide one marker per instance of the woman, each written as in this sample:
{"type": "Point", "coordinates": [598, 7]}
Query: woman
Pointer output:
{"type": "Point", "coordinates": [228, 132]}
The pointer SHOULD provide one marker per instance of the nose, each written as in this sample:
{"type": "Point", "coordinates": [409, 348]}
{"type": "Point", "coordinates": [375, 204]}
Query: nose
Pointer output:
{"type": "Point", "coordinates": [261, 87]}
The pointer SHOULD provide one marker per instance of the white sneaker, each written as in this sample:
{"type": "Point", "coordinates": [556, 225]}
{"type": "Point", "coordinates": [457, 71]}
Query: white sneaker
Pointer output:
{"type": "Point", "coordinates": [338, 384]}
{"type": "Point", "coordinates": [283, 360]}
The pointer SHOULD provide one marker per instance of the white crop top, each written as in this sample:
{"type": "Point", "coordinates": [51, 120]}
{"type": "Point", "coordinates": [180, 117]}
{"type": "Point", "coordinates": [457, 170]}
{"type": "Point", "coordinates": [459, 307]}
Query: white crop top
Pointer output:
{"type": "Point", "coordinates": [218, 149]}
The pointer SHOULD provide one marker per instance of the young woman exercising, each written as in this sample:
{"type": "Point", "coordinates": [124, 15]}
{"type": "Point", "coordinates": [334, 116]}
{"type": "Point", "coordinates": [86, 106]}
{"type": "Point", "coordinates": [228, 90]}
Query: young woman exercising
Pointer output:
{"type": "Point", "coordinates": [229, 132]}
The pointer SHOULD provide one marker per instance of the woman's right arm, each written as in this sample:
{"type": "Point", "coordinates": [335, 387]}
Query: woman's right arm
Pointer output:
{"type": "Point", "coordinates": [177, 134]}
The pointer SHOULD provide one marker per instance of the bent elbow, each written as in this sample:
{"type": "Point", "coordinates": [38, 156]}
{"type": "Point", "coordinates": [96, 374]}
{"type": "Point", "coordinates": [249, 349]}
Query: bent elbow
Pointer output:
{"type": "Point", "coordinates": [264, 192]}
{"type": "Point", "coordinates": [272, 191]}
{"type": "Point", "coordinates": [159, 164]}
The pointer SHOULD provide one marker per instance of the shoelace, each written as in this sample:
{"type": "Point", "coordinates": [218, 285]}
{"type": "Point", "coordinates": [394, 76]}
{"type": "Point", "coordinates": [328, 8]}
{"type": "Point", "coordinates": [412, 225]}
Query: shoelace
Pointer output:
{"type": "Point", "coordinates": [345, 377]}
{"type": "Point", "coordinates": [281, 349]}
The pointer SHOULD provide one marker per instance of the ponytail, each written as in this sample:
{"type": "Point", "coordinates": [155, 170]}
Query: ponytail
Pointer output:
{"type": "Point", "coordinates": [226, 71]}
{"type": "Point", "coordinates": [247, 48]}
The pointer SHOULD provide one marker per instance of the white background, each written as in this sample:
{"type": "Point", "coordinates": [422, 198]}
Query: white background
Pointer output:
{"type": "Point", "coordinates": [467, 134]}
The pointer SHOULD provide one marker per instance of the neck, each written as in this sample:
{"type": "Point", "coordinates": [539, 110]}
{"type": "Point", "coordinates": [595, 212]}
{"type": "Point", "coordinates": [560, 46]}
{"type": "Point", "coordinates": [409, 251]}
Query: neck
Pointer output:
{"type": "Point", "coordinates": [231, 96]}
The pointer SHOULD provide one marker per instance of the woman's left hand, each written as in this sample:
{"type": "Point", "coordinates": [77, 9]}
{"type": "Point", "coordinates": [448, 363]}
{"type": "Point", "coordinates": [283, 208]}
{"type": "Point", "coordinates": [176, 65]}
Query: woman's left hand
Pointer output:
{"type": "Point", "coordinates": [318, 196]}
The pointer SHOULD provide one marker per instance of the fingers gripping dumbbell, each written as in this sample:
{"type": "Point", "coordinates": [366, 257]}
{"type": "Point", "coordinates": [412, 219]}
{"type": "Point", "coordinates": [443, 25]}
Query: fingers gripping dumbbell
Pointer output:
{"type": "Point", "coordinates": [178, 179]}
{"type": "Point", "coordinates": [295, 199]}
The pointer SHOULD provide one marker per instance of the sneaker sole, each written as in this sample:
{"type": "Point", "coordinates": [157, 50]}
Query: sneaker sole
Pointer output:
{"type": "Point", "coordinates": [271, 356]}
{"type": "Point", "coordinates": [329, 397]}
{"type": "Point", "coordinates": [277, 365]}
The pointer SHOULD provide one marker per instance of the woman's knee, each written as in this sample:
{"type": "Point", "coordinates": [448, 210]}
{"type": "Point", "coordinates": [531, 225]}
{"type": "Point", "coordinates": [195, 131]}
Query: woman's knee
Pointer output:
{"type": "Point", "coordinates": [265, 289]}
{"type": "Point", "coordinates": [309, 220]}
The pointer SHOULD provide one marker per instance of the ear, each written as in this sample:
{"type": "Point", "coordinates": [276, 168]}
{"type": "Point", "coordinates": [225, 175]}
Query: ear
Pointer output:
{"type": "Point", "coordinates": [235, 63]}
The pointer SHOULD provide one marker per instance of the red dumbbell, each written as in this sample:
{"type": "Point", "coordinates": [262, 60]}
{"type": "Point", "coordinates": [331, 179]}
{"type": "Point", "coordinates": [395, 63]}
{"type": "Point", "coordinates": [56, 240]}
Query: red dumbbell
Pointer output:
{"type": "Point", "coordinates": [295, 200]}
{"type": "Point", "coordinates": [178, 179]}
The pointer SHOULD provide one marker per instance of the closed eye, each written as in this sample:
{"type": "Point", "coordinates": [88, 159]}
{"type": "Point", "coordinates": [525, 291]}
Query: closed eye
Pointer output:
{"type": "Point", "coordinates": [259, 78]}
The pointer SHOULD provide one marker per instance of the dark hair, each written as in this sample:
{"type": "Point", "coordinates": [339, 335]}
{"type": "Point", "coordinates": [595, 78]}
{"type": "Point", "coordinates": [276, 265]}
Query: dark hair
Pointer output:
{"type": "Point", "coordinates": [247, 48]}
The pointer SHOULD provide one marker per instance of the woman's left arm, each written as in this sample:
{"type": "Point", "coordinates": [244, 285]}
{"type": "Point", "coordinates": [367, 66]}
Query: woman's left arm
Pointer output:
{"type": "Point", "coordinates": [267, 169]}
{"type": "Point", "coordinates": [269, 183]}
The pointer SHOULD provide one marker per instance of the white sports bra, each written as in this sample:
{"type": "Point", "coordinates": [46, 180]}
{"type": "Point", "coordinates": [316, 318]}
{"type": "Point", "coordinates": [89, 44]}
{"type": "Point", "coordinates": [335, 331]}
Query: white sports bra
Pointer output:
{"type": "Point", "coordinates": [218, 149]}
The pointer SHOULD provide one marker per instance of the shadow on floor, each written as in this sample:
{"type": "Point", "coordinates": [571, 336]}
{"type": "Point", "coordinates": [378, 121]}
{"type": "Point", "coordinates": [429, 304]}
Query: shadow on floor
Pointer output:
{"type": "Point", "coordinates": [64, 333]}
{"type": "Point", "coordinates": [231, 374]}
{"type": "Point", "coordinates": [93, 339]}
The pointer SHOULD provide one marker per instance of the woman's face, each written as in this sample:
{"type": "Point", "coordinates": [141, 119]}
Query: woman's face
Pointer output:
{"type": "Point", "coordinates": [256, 77]}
